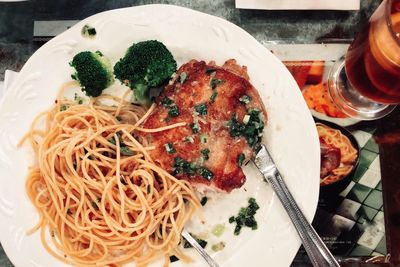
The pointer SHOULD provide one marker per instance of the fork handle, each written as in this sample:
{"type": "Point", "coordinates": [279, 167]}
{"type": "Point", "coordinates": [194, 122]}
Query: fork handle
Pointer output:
{"type": "Point", "coordinates": [314, 246]}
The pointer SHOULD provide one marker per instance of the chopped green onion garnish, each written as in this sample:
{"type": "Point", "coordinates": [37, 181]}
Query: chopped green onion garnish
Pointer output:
{"type": "Point", "coordinates": [183, 166]}
{"type": "Point", "coordinates": [201, 242]}
{"type": "Point", "coordinates": [215, 82]}
{"type": "Point", "coordinates": [167, 102]}
{"type": "Point", "coordinates": [170, 104]}
{"type": "Point", "coordinates": [213, 96]}
{"type": "Point", "coordinates": [201, 109]}
{"type": "Point", "coordinates": [188, 139]}
{"type": "Point", "coordinates": [112, 141]}
{"type": "Point", "coordinates": [173, 111]}
{"type": "Point", "coordinates": [251, 128]}
{"type": "Point", "coordinates": [195, 127]}
{"type": "Point", "coordinates": [245, 99]}
{"type": "Point", "coordinates": [170, 148]}
{"type": "Point", "coordinates": [205, 153]}
{"type": "Point", "coordinates": [203, 138]}
{"type": "Point", "coordinates": [206, 173]}
{"type": "Point", "coordinates": [246, 217]}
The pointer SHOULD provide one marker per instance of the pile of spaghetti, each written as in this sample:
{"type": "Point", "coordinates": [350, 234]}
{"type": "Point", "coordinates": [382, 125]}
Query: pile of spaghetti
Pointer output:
{"type": "Point", "coordinates": [347, 154]}
{"type": "Point", "coordinates": [98, 192]}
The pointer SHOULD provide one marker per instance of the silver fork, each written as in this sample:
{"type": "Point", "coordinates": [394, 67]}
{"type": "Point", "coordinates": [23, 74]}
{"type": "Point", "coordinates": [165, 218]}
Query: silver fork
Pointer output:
{"type": "Point", "coordinates": [315, 248]}
{"type": "Point", "coordinates": [211, 262]}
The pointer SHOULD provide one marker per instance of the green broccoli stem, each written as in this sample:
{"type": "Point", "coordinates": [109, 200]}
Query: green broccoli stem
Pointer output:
{"type": "Point", "coordinates": [141, 93]}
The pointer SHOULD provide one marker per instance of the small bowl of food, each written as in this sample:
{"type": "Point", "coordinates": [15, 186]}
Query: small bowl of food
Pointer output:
{"type": "Point", "coordinates": [340, 155]}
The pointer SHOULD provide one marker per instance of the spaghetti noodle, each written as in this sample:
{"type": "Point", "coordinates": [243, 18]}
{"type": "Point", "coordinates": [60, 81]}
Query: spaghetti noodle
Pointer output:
{"type": "Point", "coordinates": [98, 192]}
{"type": "Point", "coordinates": [348, 154]}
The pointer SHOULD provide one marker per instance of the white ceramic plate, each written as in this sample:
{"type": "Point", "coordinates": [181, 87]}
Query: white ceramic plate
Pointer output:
{"type": "Point", "coordinates": [290, 133]}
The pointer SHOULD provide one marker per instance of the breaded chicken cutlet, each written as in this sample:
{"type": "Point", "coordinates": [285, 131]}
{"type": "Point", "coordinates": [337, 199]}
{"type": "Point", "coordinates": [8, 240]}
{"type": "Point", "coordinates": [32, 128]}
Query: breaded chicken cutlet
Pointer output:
{"type": "Point", "coordinates": [224, 118]}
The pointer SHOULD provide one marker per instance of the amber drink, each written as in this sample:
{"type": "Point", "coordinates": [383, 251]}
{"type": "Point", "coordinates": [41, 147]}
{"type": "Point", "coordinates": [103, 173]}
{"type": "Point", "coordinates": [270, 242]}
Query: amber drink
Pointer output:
{"type": "Point", "coordinates": [373, 60]}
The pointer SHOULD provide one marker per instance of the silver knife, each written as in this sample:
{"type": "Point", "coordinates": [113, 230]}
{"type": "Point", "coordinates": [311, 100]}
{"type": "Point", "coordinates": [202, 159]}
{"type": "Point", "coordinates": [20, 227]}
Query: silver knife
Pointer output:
{"type": "Point", "coordinates": [317, 251]}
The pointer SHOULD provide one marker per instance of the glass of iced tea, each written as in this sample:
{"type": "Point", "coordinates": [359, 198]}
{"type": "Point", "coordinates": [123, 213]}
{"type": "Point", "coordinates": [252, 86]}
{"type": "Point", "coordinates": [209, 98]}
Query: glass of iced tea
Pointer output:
{"type": "Point", "coordinates": [365, 84]}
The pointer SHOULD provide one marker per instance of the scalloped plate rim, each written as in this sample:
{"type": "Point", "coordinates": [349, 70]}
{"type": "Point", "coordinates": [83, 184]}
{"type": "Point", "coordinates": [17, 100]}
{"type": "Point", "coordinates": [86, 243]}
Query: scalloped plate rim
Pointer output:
{"type": "Point", "coordinates": [277, 65]}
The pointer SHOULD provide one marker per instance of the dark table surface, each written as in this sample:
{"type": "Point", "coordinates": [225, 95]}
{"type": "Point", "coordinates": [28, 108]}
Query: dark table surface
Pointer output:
{"type": "Point", "coordinates": [17, 44]}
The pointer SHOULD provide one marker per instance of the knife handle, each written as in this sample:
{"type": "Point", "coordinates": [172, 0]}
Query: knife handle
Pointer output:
{"type": "Point", "coordinates": [314, 246]}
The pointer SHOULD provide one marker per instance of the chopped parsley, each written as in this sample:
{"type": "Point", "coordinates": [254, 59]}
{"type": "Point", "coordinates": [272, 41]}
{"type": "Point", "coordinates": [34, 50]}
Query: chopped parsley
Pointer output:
{"type": "Point", "coordinates": [182, 77]}
{"type": "Point", "coordinates": [201, 109]}
{"type": "Point", "coordinates": [112, 139]}
{"type": "Point", "coordinates": [252, 129]}
{"type": "Point", "coordinates": [205, 153]}
{"type": "Point", "coordinates": [203, 201]}
{"type": "Point", "coordinates": [173, 111]}
{"type": "Point", "coordinates": [245, 99]}
{"type": "Point", "coordinates": [203, 138]}
{"type": "Point", "coordinates": [201, 242]}
{"type": "Point", "coordinates": [240, 159]}
{"type": "Point", "coordinates": [214, 82]}
{"type": "Point", "coordinates": [170, 148]}
{"type": "Point", "coordinates": [167, 102]}
{"type": "Point", "coordinates": [182, 166]}
{"type": "Point", "coordinates": [235, 127]}
{"type": "Point", "coordinates": [195, 127]}
{"type": "Point", "coordinates": [123, 148]}
{"type": "Point", "coordinates": [188, 139]}
{"type": "Point", "coordinates": [213, 96]}
{"type": "Point", "coordinates": [170, 104]}
{"type": "Point", "coordinates": [245, 217]}
{"type": "Point", "coordinates": [206, 173]}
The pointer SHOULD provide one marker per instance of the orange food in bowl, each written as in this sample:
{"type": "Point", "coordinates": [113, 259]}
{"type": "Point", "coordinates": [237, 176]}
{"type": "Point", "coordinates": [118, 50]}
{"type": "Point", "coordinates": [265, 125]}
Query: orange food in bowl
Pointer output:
{"type": "Point", "coordinates": [318, 99]}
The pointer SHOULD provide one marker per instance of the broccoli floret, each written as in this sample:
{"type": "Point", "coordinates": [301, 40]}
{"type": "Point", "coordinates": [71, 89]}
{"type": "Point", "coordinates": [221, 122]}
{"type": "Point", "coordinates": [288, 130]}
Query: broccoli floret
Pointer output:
{"type": "Point", "coordinates": [146, 64]}
{"type": "Point", "coordinates": [93, 71]}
